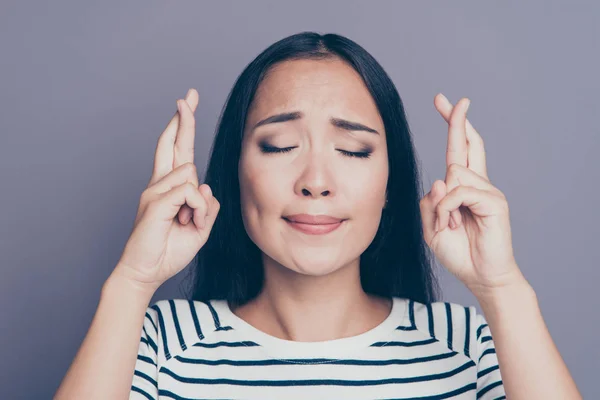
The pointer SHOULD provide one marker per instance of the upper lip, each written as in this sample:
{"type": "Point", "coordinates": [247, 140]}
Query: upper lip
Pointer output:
{"type": "Point", "coordinates": [321, 219]}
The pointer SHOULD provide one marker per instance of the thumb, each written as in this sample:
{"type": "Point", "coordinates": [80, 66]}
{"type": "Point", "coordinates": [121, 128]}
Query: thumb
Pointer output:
{"type": "Point", "coordinates": [429, 204]}
{"type": "Point", "coordinates": [213, 210]}
{"type": "Point", "coordinates": [207, 218]}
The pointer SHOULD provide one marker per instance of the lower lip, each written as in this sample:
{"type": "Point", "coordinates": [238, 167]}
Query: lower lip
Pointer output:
{"type": "Point", "coordinates": [314, 229]}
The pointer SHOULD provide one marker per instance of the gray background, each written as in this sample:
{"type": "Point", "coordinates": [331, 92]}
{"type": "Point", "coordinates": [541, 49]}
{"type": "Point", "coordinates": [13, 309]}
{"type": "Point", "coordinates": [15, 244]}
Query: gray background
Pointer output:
{"type": "Point", "coordinates": [87, 88]}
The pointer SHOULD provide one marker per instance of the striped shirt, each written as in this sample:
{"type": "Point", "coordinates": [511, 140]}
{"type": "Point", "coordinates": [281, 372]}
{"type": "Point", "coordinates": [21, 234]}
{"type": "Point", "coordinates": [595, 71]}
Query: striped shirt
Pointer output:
{"type": "Point", "coordinates": [202, 350]}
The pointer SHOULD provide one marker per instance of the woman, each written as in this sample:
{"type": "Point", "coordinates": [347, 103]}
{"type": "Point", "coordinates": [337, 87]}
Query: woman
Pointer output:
{"type": "Point", "coordinates": [315, 279]}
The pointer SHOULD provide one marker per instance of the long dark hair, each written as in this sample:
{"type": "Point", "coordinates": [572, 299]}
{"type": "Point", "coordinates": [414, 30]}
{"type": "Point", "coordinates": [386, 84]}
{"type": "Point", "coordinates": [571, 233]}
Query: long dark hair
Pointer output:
{"type": "Point", "coordinates": [398, 261]}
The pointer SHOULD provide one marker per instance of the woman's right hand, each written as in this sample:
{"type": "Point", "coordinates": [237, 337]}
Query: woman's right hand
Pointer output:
{"type": "Point", "coordinates": [175, 215]}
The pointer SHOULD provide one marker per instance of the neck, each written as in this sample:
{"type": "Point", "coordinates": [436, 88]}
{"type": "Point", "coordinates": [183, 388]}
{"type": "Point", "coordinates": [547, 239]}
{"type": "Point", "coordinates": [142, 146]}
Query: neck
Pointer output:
{"type": "Point", "coordinates": [309, 308]}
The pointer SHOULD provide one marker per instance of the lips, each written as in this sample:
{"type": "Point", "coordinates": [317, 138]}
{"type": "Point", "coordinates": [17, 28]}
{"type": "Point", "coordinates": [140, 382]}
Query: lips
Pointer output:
{"type": "Point", "coordinates": [313, 219]}
{"type": "Point", "coordinates": [314, 224]}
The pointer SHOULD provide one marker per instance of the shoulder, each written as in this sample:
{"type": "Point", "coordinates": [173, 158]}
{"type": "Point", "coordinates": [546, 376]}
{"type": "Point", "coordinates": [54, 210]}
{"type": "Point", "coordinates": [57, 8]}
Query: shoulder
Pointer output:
{"type": "Point", "coordinates": [179, 324]}
{"type": "Point", "coordinates": [457, 326]}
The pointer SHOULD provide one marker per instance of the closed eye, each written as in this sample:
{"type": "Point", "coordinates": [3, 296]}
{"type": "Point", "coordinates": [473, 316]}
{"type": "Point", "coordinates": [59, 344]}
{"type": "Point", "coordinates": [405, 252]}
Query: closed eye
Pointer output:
{"type": "Point", "coordinates": [357, 154]}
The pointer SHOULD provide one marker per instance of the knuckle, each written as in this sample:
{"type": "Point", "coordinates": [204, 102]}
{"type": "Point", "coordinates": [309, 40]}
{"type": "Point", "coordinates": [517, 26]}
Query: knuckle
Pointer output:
{"type": "Point", "coordinates": [152, 205]}
{"type": "Point", "coordinates": [189, 167]}
{"type": "Point", "coordinates": [453, 169]}
{"type": "Point", "coordinates": [189, 188]}
{"type": "Point", "coordinates": [501, 194]}
{"type": "Point", "coordinates": [439, 208]}
{"type": "Point", "coordinates": [192, 172]}
{"type": "Point", "coordinates": [503, 202]}
{"type": "Point", "coordinates": [144, 197]}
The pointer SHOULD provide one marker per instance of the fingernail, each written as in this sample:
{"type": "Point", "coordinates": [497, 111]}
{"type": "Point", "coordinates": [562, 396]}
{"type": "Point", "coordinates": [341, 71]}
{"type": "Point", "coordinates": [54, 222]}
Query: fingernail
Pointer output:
{"type": "Point", "coordinates": [188, 94]}
{"type": "Point", "coordinates": [468, 104]}
{"type": "Point", "coordinates": [452, 223]}
{"type": "Point", "coordinates": [184, 219]}
{"type": "Point", "coordinates": [179, 106]}
{"type": "Point", "coordinates": [437, 224]}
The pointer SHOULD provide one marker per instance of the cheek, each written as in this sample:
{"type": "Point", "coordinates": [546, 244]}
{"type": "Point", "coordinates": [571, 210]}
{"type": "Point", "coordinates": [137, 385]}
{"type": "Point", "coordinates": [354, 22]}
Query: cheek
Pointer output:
{"type": "Point", "coordinates": [261, 207]}
{"type": "Point", "coordinates": [369, 202]}
{"type": "Point", "coordinates": [368, 192]}
{"type": "Point", "coordinates": [260, 192]}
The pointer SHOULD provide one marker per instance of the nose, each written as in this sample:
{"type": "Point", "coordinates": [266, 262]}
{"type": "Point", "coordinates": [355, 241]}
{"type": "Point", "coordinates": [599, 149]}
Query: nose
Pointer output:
{"type": "Point", "coordinates": [316, 178]}
{"type": "Point", "coordinates": [308, 192]}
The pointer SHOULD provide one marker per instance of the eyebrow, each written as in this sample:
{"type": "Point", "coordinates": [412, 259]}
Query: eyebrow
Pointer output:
{"type": "Point", "coordinates": [337, 122]}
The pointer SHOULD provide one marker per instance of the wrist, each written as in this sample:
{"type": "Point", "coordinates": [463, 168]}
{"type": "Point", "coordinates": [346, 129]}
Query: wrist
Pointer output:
{"type": "Point", "coordinates": [500, 285]}
{"type": "Point", "coordinates": [118, 280]}
{"type": "Point", "coordinates": [517, 292]}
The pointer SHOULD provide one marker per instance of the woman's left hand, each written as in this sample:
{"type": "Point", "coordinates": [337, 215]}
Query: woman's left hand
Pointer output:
{"type": "Point", "coordinates": [478, 251]}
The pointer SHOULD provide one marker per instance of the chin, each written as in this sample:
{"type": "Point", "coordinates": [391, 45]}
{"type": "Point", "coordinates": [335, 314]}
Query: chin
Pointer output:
{"type": "Point", "coordinates": [314, 267]}
{"type": "Point", "coordinates": [314, 272]}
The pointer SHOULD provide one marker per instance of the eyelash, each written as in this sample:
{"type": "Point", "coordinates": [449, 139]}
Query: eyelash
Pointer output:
{"type": "Point", "coordinates": [357, 154]}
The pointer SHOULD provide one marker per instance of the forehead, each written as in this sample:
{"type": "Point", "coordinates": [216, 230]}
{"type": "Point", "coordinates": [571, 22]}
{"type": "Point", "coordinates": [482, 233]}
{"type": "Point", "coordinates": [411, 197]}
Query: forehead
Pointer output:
{"type": "Point", "coordinates": [326, 87]}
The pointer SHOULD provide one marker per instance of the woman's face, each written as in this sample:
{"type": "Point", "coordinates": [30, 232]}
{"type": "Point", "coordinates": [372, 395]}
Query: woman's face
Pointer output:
{"type": "Point", "coordinates": [314, 176]}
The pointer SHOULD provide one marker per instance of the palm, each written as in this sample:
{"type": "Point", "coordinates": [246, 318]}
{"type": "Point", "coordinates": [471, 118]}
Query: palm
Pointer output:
{"type": "Point", "coordinates": [181, 245]}
{"type": "Point", "coordinates": [454, 247]}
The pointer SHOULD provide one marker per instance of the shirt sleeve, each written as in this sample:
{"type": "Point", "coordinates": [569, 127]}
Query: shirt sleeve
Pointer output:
{"type": "Point", "coordinates": [489, 379]}
{"type": "Point", "coordinates": [145, 377]}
